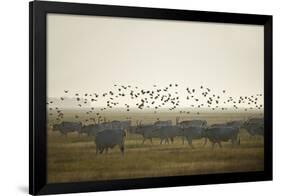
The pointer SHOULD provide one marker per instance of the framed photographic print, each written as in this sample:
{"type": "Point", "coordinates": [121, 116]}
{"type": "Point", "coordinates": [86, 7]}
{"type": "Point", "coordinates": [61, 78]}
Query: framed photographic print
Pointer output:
{"type": "Point", "coordinates": [132, 97]}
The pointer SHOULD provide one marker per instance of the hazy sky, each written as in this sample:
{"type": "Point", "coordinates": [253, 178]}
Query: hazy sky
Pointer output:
{"type": "Point", "coordinates": [91, 54]}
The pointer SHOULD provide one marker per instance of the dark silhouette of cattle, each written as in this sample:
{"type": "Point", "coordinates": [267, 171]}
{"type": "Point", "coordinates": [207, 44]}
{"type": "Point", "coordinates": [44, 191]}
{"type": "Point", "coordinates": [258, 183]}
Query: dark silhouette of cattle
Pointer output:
{"type": "Point", "coordinates": [254, 126]}
{"type": "Point", "coordinates": [109, 138]}
{"type": "Point", "coordinates": [222, 134]}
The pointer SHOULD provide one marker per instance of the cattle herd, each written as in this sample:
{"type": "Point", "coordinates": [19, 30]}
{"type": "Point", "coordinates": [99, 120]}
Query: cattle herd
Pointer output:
{"type": "Point", "coordinates": [110, 134]}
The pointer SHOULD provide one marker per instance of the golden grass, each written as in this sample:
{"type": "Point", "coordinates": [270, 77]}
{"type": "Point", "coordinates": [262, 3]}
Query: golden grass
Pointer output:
{"type": "Point", "coordinates": [73, 158]}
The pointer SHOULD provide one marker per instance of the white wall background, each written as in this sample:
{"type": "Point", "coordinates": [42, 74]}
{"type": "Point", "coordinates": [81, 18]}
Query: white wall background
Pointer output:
{"type": "Point", "coordinates": [14, 96]}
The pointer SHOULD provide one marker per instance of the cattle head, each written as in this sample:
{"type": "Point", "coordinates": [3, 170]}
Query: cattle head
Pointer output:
{"type": "Point", "coordinates": [250, 131]}
{"type": "Point", "coordinates": [206, 131]}
{"type": "Point", "coordinates": [204, 124]}
{"type": "Point", "coordinates": [246, 125]}
{"type": "Point", "coordinates": [253, 129]}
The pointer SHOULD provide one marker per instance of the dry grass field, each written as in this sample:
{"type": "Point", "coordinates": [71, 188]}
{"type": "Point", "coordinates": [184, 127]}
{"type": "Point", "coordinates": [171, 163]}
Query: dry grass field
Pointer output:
{"type": "Point", "coordinates": [73, 158]}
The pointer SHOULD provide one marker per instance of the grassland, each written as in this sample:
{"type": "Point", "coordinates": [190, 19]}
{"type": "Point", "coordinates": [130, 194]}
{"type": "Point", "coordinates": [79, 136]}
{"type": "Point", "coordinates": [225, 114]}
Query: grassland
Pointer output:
{"type": "Point", "coordinates": [73, 158]}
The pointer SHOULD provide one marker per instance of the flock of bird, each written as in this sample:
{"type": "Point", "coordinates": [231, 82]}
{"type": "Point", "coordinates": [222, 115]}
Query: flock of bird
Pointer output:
{"type": "Point", "coordinates": [155, 99]}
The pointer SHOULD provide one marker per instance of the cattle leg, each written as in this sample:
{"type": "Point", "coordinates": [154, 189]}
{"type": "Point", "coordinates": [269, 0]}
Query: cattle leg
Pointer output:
{"type": "Point", "coordinates": [97, 150]}
{"type": "Point", "coordinates": [143, 140]}
{"type": "Point", "coordinates": [151, 140]}
{"type": "Point", "coordinates": [205, 142]}
{"type": "Point", "coordinates": [190, 143]}
{"type": "Point", "coordinates": [172, 140]}
{"type": "Point", "coordinates": [220, 144]}
{"type": "Point", "coordinates": [182, 139]}
{"type": "Point", "coordinates": [237, 141]}
{"type": "Point", "coordinates": [122, 149]}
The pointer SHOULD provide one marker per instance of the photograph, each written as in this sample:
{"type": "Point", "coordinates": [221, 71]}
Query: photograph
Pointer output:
{"type": "Point", "coordinates": [133, 98]}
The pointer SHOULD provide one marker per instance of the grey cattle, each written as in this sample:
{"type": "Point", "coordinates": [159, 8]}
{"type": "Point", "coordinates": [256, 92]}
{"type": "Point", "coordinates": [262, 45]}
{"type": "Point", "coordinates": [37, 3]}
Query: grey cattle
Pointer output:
{"type": "Point", "coordinates": [163, 133]}
{"type": "Point", "coordinates": [160, 123]}
{"type": "Point", "coordinates": [220, 134]}
{"type": "Point", "coordinates": [191, 133]}
{"type": "Point", "coordinates": [169, 132]}
{"type": "Point", "coordinates": [67, 127]}
{"type": "Point", "coordinates": [191, 123]}
{"type": "Point", "coordinates": [237, 124]}
{"type": "Point", "coordinates": [254, 126]}
{"type": "Point", "coordinates": [109, 138]}
{"type": "Point", "coordinates": [147, 132]}
{"type": "Point", "coordinates": [90, 130]}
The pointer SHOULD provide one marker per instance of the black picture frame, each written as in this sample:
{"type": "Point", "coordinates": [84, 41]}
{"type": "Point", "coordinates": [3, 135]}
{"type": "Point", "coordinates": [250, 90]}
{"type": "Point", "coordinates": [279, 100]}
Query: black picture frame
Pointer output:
{"type": "Point", "coordinates": [37, 96]}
